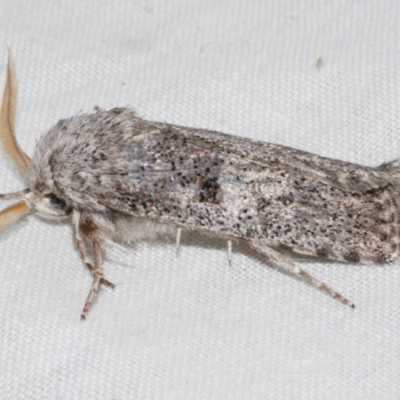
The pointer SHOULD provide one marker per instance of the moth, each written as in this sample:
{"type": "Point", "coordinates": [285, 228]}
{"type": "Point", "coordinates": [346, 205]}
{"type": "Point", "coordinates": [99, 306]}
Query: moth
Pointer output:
{"type": "Point", "coordinates": [118, 178]}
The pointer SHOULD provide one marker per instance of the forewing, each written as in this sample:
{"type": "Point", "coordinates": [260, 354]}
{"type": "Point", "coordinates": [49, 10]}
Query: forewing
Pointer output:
{"type": "Point", "coordinates": [168, 167]}
{"type": "Point", "coordinates": [258, 191]}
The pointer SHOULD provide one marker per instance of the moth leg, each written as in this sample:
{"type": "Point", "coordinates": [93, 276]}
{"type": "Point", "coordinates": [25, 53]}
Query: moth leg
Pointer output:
{"type": "Point", "coordinates": [278, 260]}
{"type": "Point", "coordinates": [82, 248]}
{"type": "Point", "coordinates": [97, 277]}
{"type": "Point", "coordinates": [178, 237]}
{"type": "Point", "coordinates": [118, 246]}
{"type": "Point", "coordinates": [229, 243]}
{"type": "Point", "coordinates": [8, 196]}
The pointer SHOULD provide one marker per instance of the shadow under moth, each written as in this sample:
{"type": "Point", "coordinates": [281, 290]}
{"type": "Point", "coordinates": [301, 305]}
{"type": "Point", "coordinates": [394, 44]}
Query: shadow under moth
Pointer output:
{"type": "Point", "coordinates": [118, 177]}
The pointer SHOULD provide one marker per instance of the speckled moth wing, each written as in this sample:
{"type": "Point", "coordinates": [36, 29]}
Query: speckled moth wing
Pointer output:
{"type": "Point", "coordinates": [341, 174]}
{"type": "Point", "coordinates": [241, 188]}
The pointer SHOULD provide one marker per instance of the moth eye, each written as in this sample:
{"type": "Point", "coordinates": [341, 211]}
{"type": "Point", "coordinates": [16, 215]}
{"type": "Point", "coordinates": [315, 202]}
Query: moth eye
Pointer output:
{"type": "Point", "coordinates": [58, 203]}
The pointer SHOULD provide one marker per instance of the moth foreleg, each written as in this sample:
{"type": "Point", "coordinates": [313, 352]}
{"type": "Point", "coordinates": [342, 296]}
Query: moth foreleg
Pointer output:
{"type": "Point", "coordinates": [82, 247]}
{"type": "Point", "coordinates": [85, 224]}
{"type": "Point", "coordinates": [97, 278]}
{"type": "Point", "coordinates": [280, 261]}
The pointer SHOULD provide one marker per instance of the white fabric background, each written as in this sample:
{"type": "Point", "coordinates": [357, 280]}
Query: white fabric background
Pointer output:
{"type": "Point", "coordinates": [188, 326]}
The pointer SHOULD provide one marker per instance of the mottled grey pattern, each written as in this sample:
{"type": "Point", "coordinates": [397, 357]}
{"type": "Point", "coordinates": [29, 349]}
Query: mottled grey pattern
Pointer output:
{"type": "Point", "coordinates": [116, 165]}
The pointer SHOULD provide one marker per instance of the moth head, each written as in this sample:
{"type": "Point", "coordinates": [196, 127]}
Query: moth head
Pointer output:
{"type": "Point", "coordinates": [46, 202]}
{"type": "Point", "coordinates": [49, 205]}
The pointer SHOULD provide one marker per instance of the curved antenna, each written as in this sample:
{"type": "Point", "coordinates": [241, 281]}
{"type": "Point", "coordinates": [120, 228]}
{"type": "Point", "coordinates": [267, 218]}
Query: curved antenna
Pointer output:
{"type": "Point", "coordinates": [12, 214]}
{"type": "Point", "coordinates": [7, 118]}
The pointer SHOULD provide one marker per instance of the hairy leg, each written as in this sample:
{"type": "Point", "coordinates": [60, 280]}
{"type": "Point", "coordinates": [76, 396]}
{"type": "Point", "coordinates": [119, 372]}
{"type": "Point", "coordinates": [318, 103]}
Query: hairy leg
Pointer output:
{"type": "Point", "coordinates": [278, 260]}
{"type": "Point", "coordinates": [82, 247]}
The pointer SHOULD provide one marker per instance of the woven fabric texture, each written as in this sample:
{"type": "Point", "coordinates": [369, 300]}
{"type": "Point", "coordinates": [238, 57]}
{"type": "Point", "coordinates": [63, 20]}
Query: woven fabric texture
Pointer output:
{"type": "Point", "coordinates": [322, 76]}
